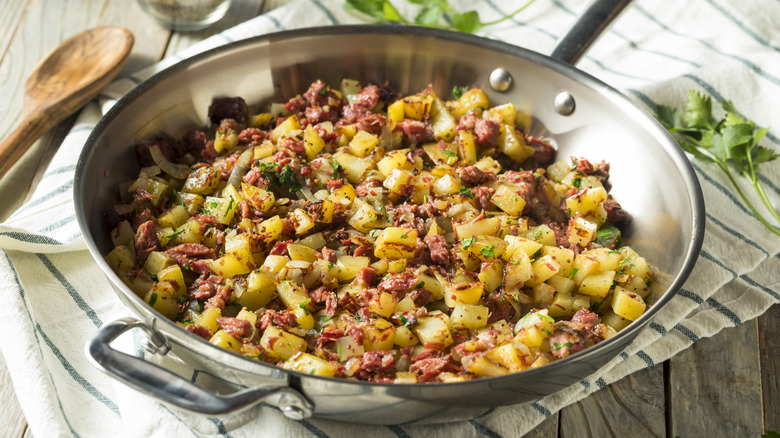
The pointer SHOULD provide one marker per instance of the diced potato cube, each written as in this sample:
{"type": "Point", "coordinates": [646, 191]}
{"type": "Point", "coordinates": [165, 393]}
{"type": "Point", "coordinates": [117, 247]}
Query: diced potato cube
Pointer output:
{"type": "Point", "coordinates": [303, 317]}
{"type": "Point", "coordinates": [231, 265]}
{"type": "Point", "coordinates": [156, 261]}
{"type": "Point", "coordinates": [289, 126]}
{"type": "Point", "coordinates": [396, 243]}
{"type": "Point", "coordinates": [121, 259]}
{"type": "Point", "coordinates": [223, 209]}
{"type": "Point", "coordinates": [564, 256]}
{"type": "Point", "coordinates": [275, 263]}
{"type": "Point", "coordinates": [187, 233]}
{"type": "Point", "coordinates": [227, 341]}
{"type": "Point", "coordinates": [349, 266]}
{"type": "Point", "coordinates": [208, 319]}
{"type": "Point", "coordinates": [516, 243]}
{"type": "Point", "coordinates": [484, 367]}
{"type": "Point", "coordinates": [518, 270]}
{"type": "Point", "coordinates": [614, 320]}
{"type": "Point", "coordinates": [467, 146]}
{"type": "Point", "coordinates": [383, 304]}
{"type": "Point", "coordinates": [543, 268]}
{"type": "Point", "coordinates": [492, 275]}
{"type": "Point", "coordinates": [542, 234]}
{"type": "Point", "coordinates": [443, 123]}
{"type": "Point", "coordinates": [258, 198]}
{"type": "Point", "coordinates": [280, 344]}
{"type": "Point", "coordinates": [397, 159]}
{"type": "Point", "coordinates": [507, 199]}
{"type": "Point", "coordinates": [300, 252]}
{"type": "Point", "coordinates": [398, 181]}
{"type": "Point", "coordinates": [513, 145]}
{"type": "Point", "coordinates": [581, 231]}
{"type": "Point", "coordinates": [584, 265]}
{"type": "Point", "coordinates": [597, 284]}
{"type": "Point", "coordinates": [312, 142]}
{"type": "Point", "coordinates": [404, 337]}
{"type": "Point", "coordinates": [627, 304]}
{"type": "Point", "coordinates": [173, 275]}
{"type": "Point", "coordinates": [362, 216]}
{"type": "Point", "coordinates": [446, 185]}
{"type": "Point", "coordinates": [507, 356]}
{"type": "Point", "coordinates": [164, 299]}
{"type": "Point", "coordinates": [174, 217]}
{"type": "Point", "coordinates": [363, 143]}
{"type": "Point", "coordinates": [309, 364]}
{"type": "Point", "coordinates": [301, 220]}
{"type": "Point", "coordinates": [434, 330]}
{"type": "Point", "coordinates": [466, 293]}
{"type": "Point", "coordinates": [225, 140]}
{"type": "Point", "coordinates": [472, 99]}
{"type": "Point", "coordinates": [354, 167]}
{"type": "Point", "coordinates": [585, 201]}
{"type": "Point", "coordinates": [379, 335]}
{"type": "Point", "coordinates": [567, 304]}
{"type": "Point", "coordinates": [291, 294]}
{"type": "Point", "coordinates": [505, 113]}
{"type": "Point", "coordinates": [202, 181]}
{"type": "Point", "coordinates": [564, 285]}
{"type": "Point", "coordinates": [543, 293]}
{"type": "Point", "coordinates": [260, 289]}
{"type": "Point", "coordinates": [192, 202]}
{"type": "Point", "coordinates": [482, 227]}
{"type": "Point", "coordinates": [270, 229]}
{"type": "Point", "coordinates": [468, 316]}
{"type": "Point", "coordinates": [347, 347]}
{"type": "Point", "coordinates": [395, 111]}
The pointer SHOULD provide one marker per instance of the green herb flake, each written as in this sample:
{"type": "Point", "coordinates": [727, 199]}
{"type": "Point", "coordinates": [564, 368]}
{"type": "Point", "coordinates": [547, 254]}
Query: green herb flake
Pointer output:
{"type": "Point", "coordinates": [457, 91]}
{"type": "Point", "coordinates": [466, 243]}
{"type": "Point", "coordinates": [404, 320]}
{"type": "Point", "coordinates": [574, 272]}
{"type": "Point", "coordinates": [152, 298]}
{"type": "Point", "coordinates": [488, 251]}
{"type": "Point", "coordinates": [448, 153]}
{"type": "Point", "coordinates": [466, 192]}
{"type": "Point", "coordinates": [288, 179]}
{"type": "Point", "coordinates": [558, 346]}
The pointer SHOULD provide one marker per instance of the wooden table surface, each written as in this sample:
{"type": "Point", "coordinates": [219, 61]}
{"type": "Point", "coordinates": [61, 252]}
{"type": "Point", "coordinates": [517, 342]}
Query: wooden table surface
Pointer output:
{"type": "Point", "coordinates": [727, 385]}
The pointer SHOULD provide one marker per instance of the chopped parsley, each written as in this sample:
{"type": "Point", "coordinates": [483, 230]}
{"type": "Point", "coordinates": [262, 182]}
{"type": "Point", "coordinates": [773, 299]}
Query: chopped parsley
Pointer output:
{"type": "Point", "coordinates": [448, 153]}
{"type": "Point", "coordinates": [457, 91]}
{"type": "Point", "coordinates": [466, 243]}
{"type": "Point", "coordinates": [466, 192]}
{"type": "Point", "coordinates": [488, 251]}
{"type": "Point", "coordinates": [175, 233]}
{"type": "Point", "coordinates": [574, 272]}
{"type": "Point", "coordinates": [404, 320]}
{"type": "Point", "coordinates": [287, 178]}
{"type": "Point", "coordinates": [336, 166]}
{"type": "Point", "coordinates": [576, 182]}
{"type": "Point", "coordinates": [152, 298]}
{"type": "Point", "coordinates": [558, 346]}
{"type": "Point", "coordinates": [608, 236]}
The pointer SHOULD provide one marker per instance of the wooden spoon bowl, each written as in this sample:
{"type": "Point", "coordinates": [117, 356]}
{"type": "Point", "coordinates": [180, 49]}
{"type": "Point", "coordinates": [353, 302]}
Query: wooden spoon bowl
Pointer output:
{"type": "Point", "coordinates": [64, 81]}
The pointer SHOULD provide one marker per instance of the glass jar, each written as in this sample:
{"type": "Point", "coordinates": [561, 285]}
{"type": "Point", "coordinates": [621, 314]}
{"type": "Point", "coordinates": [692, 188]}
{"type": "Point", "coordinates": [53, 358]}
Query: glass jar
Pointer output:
{"type": "Point", "coordinates": [186, 14]}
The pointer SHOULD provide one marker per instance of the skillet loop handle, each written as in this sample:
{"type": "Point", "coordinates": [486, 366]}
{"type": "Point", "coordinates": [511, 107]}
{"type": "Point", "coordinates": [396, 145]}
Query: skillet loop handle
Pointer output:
{"type": "Point", "coordinates": [589, 26]}
{"type": "Point", "coordinates": [174, 389]}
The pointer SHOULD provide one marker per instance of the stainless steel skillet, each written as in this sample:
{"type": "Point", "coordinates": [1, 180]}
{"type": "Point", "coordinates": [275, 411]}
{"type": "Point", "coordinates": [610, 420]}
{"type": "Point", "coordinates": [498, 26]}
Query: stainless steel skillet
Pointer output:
{"type": "Point", "coordinates": [582, 116]}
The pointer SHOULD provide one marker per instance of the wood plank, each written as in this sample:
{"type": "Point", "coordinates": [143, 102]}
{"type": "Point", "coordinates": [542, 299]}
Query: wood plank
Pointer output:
{"type": "Point", "coordinates": [42, 27]}
{"type": "Point", "coordinates": [546, 429]}
{"type": "Point", "coordinates": [769, 351]}
{"type": "Point", "coordinates": [632, 406]}
{"type": "Point", "coordinates": [150, 38]}
{"type": "Point", "coordinates": [12, 421]}
{"type": "Point", "coordinates": [715, 386]}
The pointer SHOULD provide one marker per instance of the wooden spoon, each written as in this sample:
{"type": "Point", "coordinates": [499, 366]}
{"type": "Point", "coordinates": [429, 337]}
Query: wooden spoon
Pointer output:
{"type": "Point", "coordinates": [70, 76]}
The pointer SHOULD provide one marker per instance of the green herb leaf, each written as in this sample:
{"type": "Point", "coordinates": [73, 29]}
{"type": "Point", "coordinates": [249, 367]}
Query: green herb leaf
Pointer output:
{"type": "Point", "coordinates": [467, 22]}
{"type": "Point", "coordinates": [731, 142]}
{"type": "Point", "coordinates": [288, 179]}
{"type": "Point", "coordinates": [558, 346]}
{"type": "Point", "coordinates": [457, 91]}
{"type": "Point", "coordinates": [466, 243]}
{"type": "Point", "coordinates": [608, 236]}
{"type": "Point", "coordinates": [488, 251]}
{"type": "Point", "coordinates": [466, 192]}
{"type": "Point", "coordinates": [152, 298]}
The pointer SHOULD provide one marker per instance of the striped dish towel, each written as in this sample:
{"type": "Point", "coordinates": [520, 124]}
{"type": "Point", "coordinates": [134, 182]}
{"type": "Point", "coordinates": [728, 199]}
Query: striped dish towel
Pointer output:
{"type": "Point", "coordinates": [55, 297]}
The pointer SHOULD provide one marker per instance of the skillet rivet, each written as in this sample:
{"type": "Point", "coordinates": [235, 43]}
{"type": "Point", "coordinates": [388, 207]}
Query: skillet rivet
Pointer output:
{"type": "Point", "coordinates": [564, 103]}
{"type": "Point", "coordinates": [500, 79]}
{"type": "Point", "coordinates": [293, 412]}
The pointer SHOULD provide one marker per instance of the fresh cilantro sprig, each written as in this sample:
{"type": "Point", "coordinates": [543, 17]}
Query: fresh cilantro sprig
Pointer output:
{"type": "Point", "coordinates": [731, 142]}
{"type": "Point", "coordinates": [434, 13]}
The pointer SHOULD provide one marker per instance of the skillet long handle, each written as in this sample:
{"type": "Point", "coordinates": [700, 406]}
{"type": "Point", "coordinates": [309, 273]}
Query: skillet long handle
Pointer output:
{"type": "Point", "coordinates": [174, 389]}
{"type": "Point", "coordinates": [586, 30]}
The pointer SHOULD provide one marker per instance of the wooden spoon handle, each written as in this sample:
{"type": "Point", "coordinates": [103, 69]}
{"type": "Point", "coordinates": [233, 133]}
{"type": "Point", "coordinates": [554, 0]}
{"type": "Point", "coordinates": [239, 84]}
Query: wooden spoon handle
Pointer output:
{"type": "Point", "coordinates": [13, 147]}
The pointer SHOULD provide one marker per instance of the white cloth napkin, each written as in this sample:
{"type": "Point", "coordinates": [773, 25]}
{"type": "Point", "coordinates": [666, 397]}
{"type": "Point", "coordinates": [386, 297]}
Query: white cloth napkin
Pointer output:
{"type": "Point", "coordinates": [55, 297]}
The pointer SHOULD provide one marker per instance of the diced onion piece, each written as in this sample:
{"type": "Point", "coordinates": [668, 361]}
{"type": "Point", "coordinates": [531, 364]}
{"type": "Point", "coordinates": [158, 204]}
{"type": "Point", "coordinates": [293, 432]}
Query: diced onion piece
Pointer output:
{"type": "Point", "coordinates": [179, 171]}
